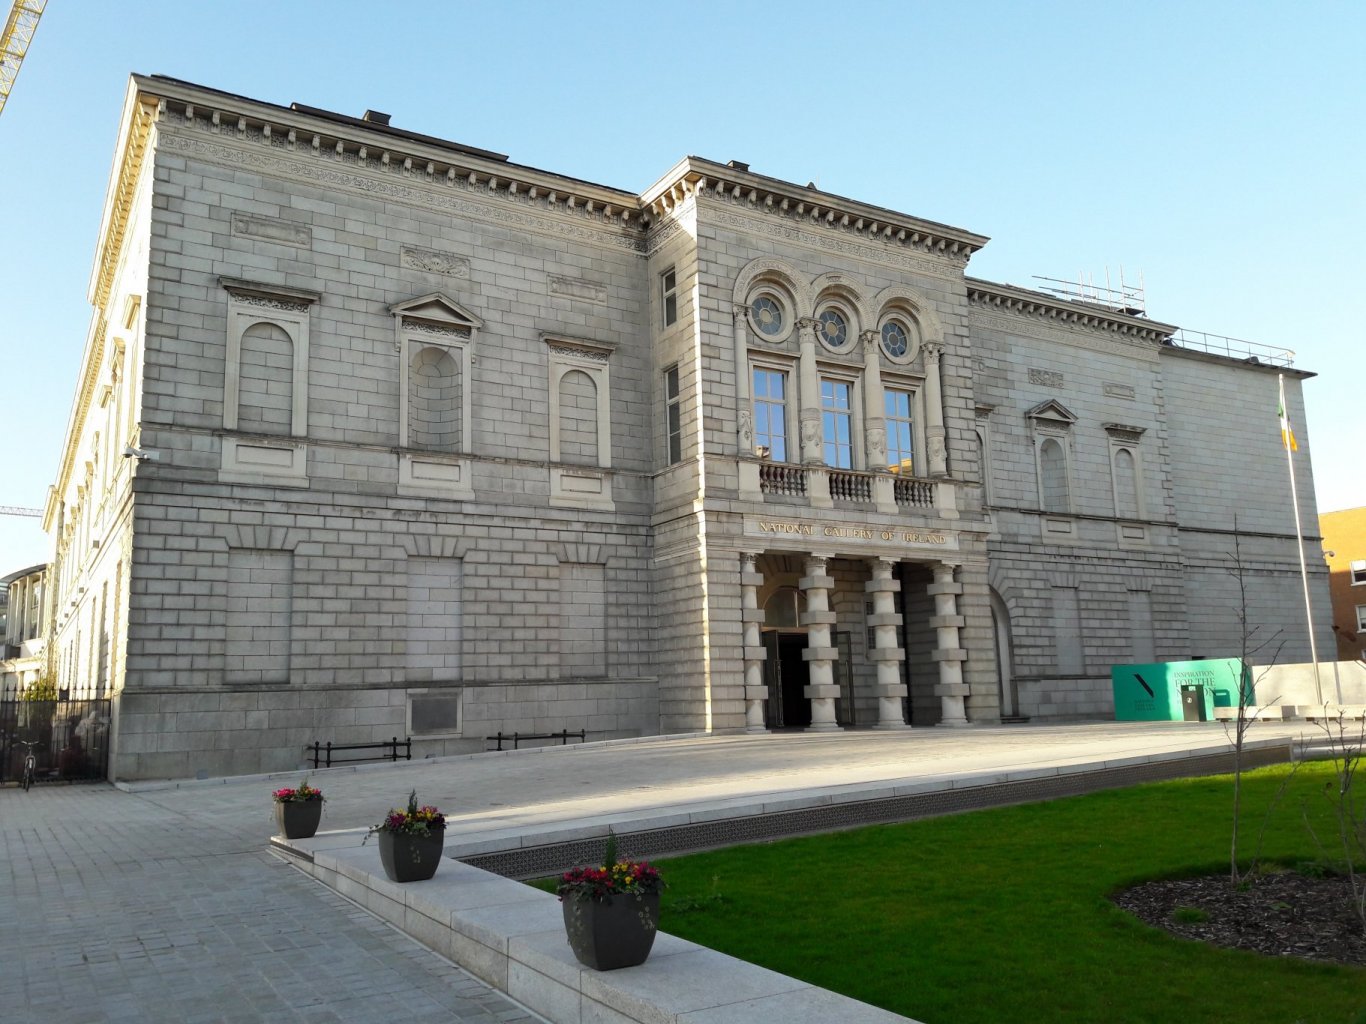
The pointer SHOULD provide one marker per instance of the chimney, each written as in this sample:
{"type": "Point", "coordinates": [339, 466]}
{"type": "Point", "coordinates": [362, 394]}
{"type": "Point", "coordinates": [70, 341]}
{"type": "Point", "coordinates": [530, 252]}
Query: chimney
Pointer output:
{"type": "Point", "coordinates": [375, 117]}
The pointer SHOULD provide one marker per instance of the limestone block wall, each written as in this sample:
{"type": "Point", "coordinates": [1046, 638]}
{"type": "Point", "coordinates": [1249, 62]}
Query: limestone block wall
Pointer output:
{"type": "Point", "coordinates": [1216, 406]}
{"type": "Point", "coordinates": [1062, 665]}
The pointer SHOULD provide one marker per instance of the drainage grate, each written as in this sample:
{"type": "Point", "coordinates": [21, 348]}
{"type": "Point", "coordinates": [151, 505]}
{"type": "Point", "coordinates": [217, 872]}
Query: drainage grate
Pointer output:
{"type": "Point", "coordinates": [551, 859]}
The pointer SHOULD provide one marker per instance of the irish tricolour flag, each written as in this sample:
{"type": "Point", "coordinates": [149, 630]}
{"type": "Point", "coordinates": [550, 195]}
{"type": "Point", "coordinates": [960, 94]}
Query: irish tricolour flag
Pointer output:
{"type": "Point", "coordinates": [1287, 435]}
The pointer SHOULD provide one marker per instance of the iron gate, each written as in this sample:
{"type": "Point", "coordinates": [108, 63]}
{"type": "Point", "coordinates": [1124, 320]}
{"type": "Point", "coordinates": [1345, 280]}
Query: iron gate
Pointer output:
{"type": "Point", "coordinates": [70, 737]}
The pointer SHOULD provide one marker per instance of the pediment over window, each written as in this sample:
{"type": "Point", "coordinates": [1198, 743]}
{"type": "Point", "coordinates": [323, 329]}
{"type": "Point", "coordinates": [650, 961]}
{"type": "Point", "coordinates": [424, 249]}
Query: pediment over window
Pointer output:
{"type": "Point", "coordinates": [437, 310]}
{"type": "Point", "coordinates": [1052, 412]}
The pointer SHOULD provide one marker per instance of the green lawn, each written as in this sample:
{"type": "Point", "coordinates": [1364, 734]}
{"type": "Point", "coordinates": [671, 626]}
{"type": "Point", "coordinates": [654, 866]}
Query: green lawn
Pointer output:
{"type": "Point", "coordinates": [1001, 915]}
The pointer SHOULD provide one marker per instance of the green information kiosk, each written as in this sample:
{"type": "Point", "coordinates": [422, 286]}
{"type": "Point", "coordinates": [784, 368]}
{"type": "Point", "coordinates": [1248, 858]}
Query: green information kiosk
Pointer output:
{"type": "Point", "coordinates": [1175, 691]}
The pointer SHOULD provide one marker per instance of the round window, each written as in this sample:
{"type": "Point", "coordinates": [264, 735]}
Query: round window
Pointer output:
{"type": "Point", "coordinates": [894, 339]}
{"type": "Point", "coordinates": [834, 330]}
{"type": "Point", "coordinates": [768, 315]}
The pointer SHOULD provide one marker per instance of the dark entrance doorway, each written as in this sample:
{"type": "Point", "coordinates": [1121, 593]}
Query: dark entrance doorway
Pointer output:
{"type": "Point", "coordinates": [786, 674]}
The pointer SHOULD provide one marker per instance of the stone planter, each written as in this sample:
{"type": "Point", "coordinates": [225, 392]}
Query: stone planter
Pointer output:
{"type": "Point", "coordinates": [298, 819]}
{"type": "Point", "coordinates": [612, 933]}
{"type": "Point", "coordinates": [410, 858]}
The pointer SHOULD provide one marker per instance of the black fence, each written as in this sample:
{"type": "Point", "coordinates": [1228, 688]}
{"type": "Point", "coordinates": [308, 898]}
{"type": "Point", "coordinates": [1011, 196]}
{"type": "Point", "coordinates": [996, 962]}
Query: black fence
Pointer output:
{"type": "Point", "coordinates": [564, 736]}
{"type": "Point", "coordinates": [323, 754]}
{"type": "Point", "coordinates": [70, 739]}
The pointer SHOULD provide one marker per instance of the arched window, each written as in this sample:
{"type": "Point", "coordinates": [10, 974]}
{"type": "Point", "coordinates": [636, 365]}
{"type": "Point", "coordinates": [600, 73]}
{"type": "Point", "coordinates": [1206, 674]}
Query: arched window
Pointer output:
{"type": "Point", "coordinates": [434, 398]}
{"type": "Point", "coordinates": [266, 380]}
{"type": "Point", "coordinates": [784, 608]}
{"type": "Point", "coordinates": [1126, 484]}
{"type": "Point", "coordinates": [1053, 476]}
{"type": "Point", "coordinates": [578, 419]}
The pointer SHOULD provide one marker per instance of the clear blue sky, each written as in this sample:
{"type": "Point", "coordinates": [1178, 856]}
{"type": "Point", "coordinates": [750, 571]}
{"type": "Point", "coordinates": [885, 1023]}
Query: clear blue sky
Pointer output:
{"type": "Point", "coordinates": [1215, 147]}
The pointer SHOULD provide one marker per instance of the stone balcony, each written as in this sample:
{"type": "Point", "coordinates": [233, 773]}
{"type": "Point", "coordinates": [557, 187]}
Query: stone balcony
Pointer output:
{"type": "Point", "coordinates": [827, 487]}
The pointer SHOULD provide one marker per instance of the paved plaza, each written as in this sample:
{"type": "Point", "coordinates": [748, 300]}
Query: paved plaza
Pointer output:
{"type": "Point", "coordinates": [162, 904]}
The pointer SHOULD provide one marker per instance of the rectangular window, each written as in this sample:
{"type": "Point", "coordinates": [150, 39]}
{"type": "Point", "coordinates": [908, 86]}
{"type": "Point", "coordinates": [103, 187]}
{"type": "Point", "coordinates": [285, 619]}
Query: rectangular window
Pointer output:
{"type": "Point", "coordinates": [434, 592]}
{"type": "Point", "coordinates": [675, 415]}
{"type": "Point", "coordinates": [1361, 618]}
{"type": "Point", "coordinates": [668, 291]}
{"type": "Point", "coordinates": [770, 414]}
{"type": "Point", "coordinates": [1067, 631]}
{"type": "Point", "coordinates": [259, 609]}
{"type": "Point", "coordinates": [1141, 624]}
{"type": "Point", "coordinates": [900, 433]}
{"type": "Point", "coordinates": [1359, 572]}
{"type": "Point", "coordinates": [835, 423]}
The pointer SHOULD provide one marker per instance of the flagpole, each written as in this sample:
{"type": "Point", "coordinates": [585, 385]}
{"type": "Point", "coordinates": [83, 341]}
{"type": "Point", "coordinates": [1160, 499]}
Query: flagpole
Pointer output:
{"type": "Point", "coordinates": [1299, 537]}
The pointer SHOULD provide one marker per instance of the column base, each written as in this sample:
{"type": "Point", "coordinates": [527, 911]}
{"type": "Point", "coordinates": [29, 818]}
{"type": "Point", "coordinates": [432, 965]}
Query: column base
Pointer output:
{"type": "Point", "coordinates": [756, 729]}
{"type": "Point", "coordinates": [892, 726]}
{"type": "Point", "coordinates": [823, 727]}
{"type": "Point", "coordinates": [956, 723]}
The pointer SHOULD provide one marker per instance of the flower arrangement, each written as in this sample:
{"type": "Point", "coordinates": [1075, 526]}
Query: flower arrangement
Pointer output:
{"type": "Point", "coordinates": [414, 821]}
{"type": "Point", "coordinates": [303, 794]}
{"type": "Point", "coordinates": [615, 877]}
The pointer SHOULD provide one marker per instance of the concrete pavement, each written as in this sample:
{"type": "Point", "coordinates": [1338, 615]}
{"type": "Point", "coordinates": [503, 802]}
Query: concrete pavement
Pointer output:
{"type": "Point", "coordinates": [161, 904]}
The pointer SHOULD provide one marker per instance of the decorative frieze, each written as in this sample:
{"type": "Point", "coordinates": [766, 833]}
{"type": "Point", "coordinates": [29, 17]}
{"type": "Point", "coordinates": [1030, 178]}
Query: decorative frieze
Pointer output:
{"type": "Point", "coordinates": [272, 229]}
{"type": "Point", "coordinates": [431, 193]}
{"type": "Point", "coordinates": [434, 261]}
{"type": "Point", "coordinates": [826, 243]}
{"type": "Point", "coordinates": [574, 288]}
{"type": "Point", "coordinates": [1112, 390]}
{"type": "Point", "coordinates": [1045, 378]}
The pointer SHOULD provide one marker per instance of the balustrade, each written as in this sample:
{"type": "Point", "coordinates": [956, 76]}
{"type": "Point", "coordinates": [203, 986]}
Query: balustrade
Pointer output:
{"type": "Point", "coordinates": [847, 486]}
{"type": "Point", "coordinates": [777, 478]}
{"type": "Point", "coordinates": [912, 492]}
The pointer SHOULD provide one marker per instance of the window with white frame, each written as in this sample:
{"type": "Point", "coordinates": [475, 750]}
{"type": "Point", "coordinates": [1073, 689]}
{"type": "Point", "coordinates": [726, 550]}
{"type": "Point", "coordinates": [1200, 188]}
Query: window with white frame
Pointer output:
{"type": "Point", "coordinates": [899, 408]}
{"type": "Point", "coordinates": [265, 388]}
{"type": "Point", "coordinates": [837, 422]}
{"type": "Point", "coordinates": [1126, 470]}
{"type": "Point", "coordinates": [770, 413]}
{"type": "Point", "coordinates": [1052, 427]}
{"type": "Point", "coordinates": [674, 415]}
{"type": "Point", "coordinates": [580, 402]}
{"type": "Point", "coordinates": [1359, 572]}
{"type": "Point", "coordinates": [668, 294]}
{"type": "Point", "coordinates": [1054, 493]}
{"type": "Point", "coordinates": [1361, 618]}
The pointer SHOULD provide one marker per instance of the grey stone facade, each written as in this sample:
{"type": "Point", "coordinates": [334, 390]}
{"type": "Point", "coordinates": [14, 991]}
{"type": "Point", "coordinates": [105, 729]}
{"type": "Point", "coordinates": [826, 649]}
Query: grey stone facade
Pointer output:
{"type": "Point", "coordinates": [429, 443]}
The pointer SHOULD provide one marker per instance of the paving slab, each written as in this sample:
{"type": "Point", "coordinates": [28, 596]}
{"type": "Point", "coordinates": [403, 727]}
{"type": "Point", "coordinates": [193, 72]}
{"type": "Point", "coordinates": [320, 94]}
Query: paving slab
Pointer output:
{"type": "Point", "coordinates": [159, 902]}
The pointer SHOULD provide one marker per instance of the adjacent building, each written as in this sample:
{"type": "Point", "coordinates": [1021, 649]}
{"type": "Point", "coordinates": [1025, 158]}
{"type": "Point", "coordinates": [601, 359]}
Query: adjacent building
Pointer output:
{"type": "Point", "coordinates": [379, 434]}
{"type": "Point", "coordinates": [1344, 549]}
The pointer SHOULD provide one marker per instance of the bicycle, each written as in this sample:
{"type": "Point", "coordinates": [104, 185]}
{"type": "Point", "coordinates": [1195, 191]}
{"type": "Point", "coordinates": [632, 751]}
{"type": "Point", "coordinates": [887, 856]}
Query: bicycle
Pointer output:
{"type": "Point", "coordinates": [26, 779]}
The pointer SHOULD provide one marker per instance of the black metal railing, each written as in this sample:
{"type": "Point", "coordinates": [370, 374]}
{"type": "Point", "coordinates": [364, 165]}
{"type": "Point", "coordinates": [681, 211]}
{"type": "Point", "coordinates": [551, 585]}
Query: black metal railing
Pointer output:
{"type": "Point", "coordinates": [388, 751]}
{"type": "Point", "coordinates": [70, 739]}
{"type": "Point", "coordinates": [564, 736]}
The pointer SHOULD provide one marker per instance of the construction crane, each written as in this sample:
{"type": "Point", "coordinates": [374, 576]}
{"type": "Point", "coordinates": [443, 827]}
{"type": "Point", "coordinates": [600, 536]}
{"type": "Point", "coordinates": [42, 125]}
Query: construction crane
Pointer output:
{"type": "Point", "coordinates": [15, 510]}
{"type": "Point", "coordinates": [19, 28]}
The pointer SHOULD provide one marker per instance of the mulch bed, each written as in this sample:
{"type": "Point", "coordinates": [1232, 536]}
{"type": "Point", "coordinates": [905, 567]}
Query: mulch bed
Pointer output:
{"type": "Point", "coordinates": [1281, 914]}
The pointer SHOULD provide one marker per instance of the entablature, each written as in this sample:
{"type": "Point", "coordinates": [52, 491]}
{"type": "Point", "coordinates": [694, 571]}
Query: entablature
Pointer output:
{"type": "Point", "coordinates": [380, 147]}
{"type": "Point", "coordinates": [735, 183]}
{"type": "Point", "coordinates": [1023, 302]}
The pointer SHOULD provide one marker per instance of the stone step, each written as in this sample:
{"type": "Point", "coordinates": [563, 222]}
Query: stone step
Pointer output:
{"type": "Point", "coordinates": [512, 937]}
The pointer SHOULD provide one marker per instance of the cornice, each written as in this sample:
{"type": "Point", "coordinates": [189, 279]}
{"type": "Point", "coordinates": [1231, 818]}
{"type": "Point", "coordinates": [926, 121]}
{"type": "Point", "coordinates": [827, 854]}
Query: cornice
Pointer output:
{"type": "Point", "coordinates": [737, 185]}
{"type": "Point", "coordinates": [1006, 298]}
{"type": "Point", "coordinates": [375, 148]}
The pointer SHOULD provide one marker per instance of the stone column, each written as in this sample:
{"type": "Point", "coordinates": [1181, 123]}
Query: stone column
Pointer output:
{"type": "Point", "coordinates": [951, 690]}
{"type": "Point", "coordinates": [744, 414]}
{"type": "Point", "coordinates": [819, 655]}
{"type": "Point", "coordinates": [755, 655]}
{"type": "Point", "coordinates": [885, 653]}
{"type": "Point", "coordinates": [813, 451]}
{"type": "Point", "coordinates": [874, 413]}
{"type": "Point", "coordinates": [934, 412]}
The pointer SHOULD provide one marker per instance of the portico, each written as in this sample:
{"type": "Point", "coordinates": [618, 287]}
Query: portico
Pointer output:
{"type": "Point", "coordinates": [842, 622]}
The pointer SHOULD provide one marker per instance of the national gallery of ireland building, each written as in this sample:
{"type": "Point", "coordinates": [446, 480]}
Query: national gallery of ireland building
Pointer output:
{"type": "Point", "coordinates": [378, 434]}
